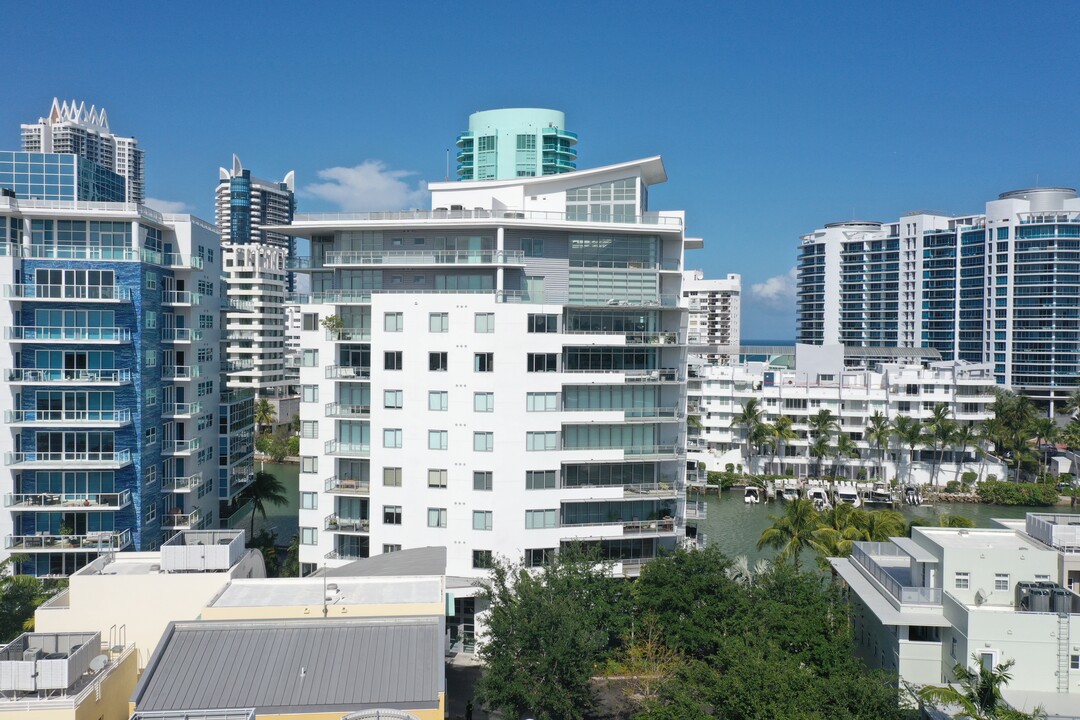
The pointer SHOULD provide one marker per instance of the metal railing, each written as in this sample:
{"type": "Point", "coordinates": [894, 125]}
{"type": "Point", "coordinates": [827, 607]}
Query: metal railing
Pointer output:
{"type": "Point", "coordinates": [424, 257]}
{"type": "Point", "coordinates": [176, 260]}
{"type": "Point", "coordinates": [180, 334]}
{"type": "Point", "coordinates": [862, 555]}
{"type": "Point", "coordinates": [81, 417]}
{"type": "Point", "coordinates": [182, 484]}
{"type": "Point", "coordinates": [180, 297]}
{"type": "Point", "coordinates": [174, 447]}
{"type": "Point", "coordinates": [336, 447]}
{"type": "Point", "coordinates": [98, 540]}
{"type": "Point", "coordinates": [482, 214]}
{"type": "Point", "coordinates": [343, 410]}
{"type": "Point", "coordinates": [68, 334]}
{"type": "Point", "coordinates": [180, 372]}
{"type": "Point", "coordinates": [174, 409]}
{"type": "Point", "coordinates": [638, 301]}
{"type": "Point", "coordinates": [349, 335]}
{"type": "Point", "coordinates": [105, 293]}
{"type": "Point", "coordinates": [341, 297]}
{"type": "Point", "coordinates": [65, 458]}
{"type": "Point", "coordinates": [65, 499]}
{"type": "Point", "coordinates": [180, 521]}
{"type": "Point", "coordinates": [346, 372]}
{"type": "Point", "coordinates": [71, 252]}
{"type": "Point", "coordinates": [696, 510]}
{"type": "Point", "coordinates": [51, 375]}
{"type": "Point", "coordinates": [336, 523]}
{"type": "Point", "coordinates": [352, 486]}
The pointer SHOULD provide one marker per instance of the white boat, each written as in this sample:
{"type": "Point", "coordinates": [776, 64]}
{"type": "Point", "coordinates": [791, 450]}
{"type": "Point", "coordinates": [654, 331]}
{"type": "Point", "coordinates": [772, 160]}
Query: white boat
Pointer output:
{"type": "Point", "coordinates": [817, 494]}
{"type": "Point", "coordinates": [846, 492]}
{"type": "Point", "coordinates": [912, 496]}
{"type": "Point", "coordinates": [789, 490]}
{"type": "Point", "coordinates": [751, 495]}
{"type": "Point", "coordinates": [879, 494]}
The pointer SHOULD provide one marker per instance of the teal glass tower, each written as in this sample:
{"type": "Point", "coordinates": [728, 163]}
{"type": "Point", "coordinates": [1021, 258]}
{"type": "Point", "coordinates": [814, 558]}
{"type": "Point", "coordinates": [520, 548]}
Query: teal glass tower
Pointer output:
{"type": "Point", "coordinates": [515, 143]}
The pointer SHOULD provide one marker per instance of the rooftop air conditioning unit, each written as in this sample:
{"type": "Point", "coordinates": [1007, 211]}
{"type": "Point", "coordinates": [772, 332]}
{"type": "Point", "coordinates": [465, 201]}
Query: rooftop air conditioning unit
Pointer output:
{"type": "Point", "coordinates": [32, 654]}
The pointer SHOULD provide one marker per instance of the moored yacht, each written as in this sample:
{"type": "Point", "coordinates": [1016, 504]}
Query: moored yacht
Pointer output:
{"type": "Point", "coordinates": [846, 492]}
{"type": "Point", "coordinates": [817, 494]}
{"type": "Point", "coordinates": [879, 494]}
{"type": "Point", "coordinates": [752, 495]}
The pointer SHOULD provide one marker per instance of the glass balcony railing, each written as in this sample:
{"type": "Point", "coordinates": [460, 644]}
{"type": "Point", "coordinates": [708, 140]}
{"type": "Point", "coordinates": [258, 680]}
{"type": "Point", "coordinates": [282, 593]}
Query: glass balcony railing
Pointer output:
{"type": "Point", "coordinates": [347, 372]}
{"type": "Point", "coordinates": [93, 540]}
{"type": "Point", "coordinates": [337, 447]}
{"type": "Point", "coordinates": [61, 500]}
{"type": "Point", "coordinates": [180, 334]}
{"type": "Point", "coordinates": [177, 520]}
{"type": "Point", "coordinates": [176, 260]}
{"type": "Point", "coordinates": [343, 410]}
{"type": "Point", "coordinates": [181, 484]}
{"type": "Point", "coordinates": [91, 293]}
{"type": "Point", "coordinates": [649, 218]}
{"type": "Point", "coordinates": [180, 297]}
{"type": "Point", "coordinates": [117, 458]}
{"type": "Point", "coordinates": [348, 486]}
{"type": "Point", "coordinates": [75, 377]}
{"type": "Point", "coordinates": [180, 447]}
{"type": "Point", "coordinates": [180, 372]}
{"type": "Point", "coordinates": [337, 523]}
{"type": "Point", "coordinates": [180, 409]}
{"type": "Point", "coordinates": [67, 334]}
{"type": "Point", "coordinates": [424, 257]}
{"type": "Point", "coordinates": [73, 417]}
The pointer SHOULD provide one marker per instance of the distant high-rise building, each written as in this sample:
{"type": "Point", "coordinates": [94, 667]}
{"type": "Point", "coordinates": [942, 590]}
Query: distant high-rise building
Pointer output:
{"type": "Point", "coordinates": [1000, 287]}
{"type": "Point", "coordinates": [256, 276]}
{"type": "Point", "coordinates": [514, 143]}
{"type": "Point", "coordinates": [72, 129]}
{"type": "Point", "coordinates": [56, 176]}
{"type": "Point", "coordinates": [714, 315]}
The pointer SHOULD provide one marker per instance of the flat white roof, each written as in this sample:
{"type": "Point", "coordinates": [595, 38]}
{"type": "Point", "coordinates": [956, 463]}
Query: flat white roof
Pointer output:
{"type": "Point", "coordinates": [977, 538]}
{"type": "Point", "coordinates": [882, 608]}
{"type": "Point", "coordinates": [291, 592]}
{"type": "Point", "coordinates": [652, 172]}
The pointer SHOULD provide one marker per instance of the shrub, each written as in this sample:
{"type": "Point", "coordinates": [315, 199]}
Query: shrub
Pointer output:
{"type": "Point", "coordinates": [953, 486]}
{"type": "Point", "coordinates": [969, 477]}
{"type": "Point", "coordinates": [991, 478]}
{"type": "Point", "coordinates": [1006, 493]}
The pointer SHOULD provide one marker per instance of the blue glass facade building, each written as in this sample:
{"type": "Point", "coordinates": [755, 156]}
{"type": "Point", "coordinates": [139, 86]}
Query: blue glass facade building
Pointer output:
{"type": "Point", "coordinates": [57, 176]}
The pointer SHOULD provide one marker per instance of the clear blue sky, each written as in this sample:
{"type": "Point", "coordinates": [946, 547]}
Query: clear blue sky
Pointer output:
{"type": "Point", "coordinates": [772, 118]}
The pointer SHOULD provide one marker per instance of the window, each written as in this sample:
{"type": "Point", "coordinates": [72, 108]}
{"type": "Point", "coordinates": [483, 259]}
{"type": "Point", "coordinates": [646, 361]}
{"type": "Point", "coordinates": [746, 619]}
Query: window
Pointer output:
{"type": "Point", "coordinates": [309, 464]}
{"type": "Point", "coordinates": [309, 429]}
{"type": "Point", "coordinates": [438, 400]}
{"type": "Point", "coordinates": [541, 440]}
{"type": "Point", "coordinates": [436, 478]}
{"type": "Point", "coordinates": [391, 476]}
{"type": "Point", "coordinates": [543, 323]}
{"type": "Point", "coordinates": [962, 581]}
{"type": "Point", "coordinates": [394, 322]}
{"type": "Point", "coordinates": [536, 519]}
{"type": "Point", "coordinates": [391, 437]}
{"type": "Point", "coordinates": [391, 548]}
{"type": "Point", "coordinates": [391, 514]}
{"type": "Point", "coordinates": [481, 480]}
{"type": "Point", "coordinates": [309, 358]}
{"type": "Point", "coordinates": [437, 362]}
{"type": "Point", "coordinates": [151, 514]}
{"type": "Point", "coordinates": [309, 322]}
{"type": "Point", "coordinates": [151, 358]}
{"type": "Point", "coordinates": [150, 476]}
{"type": "Point", "coordinates": [541, 402]}
{"type": "Point", "coordinates": [481, 520]}
{"type": "Point", "coordinates": [481, 559]}
{"type": "Point", "coordinates": [151, 281]}
{"type": "Point", "coordinates": [309, 501]}
{"type": "Point", "coordinates": [1074, 662]}
{"type": "Point", "coordinates": [484, 402]}
{"type": "Point", "coordinates": [542, 362]}
{"type": "Point", "coordinates": [309, 536]}
{"type": "Point", "coordinates": [436, 517]}
{"type": "Point", "coordinates": [150, 436]}
{"type": "Point", "coordinates": [532, 247]}
{"type": "Point", "coordinates": [151, 396]}
{"type": "Point", "coordinates": [392, 360]}
{"type": "Point", "coordinates": [151, 319]}
{"type": "Point", "coordinates": [483, 441]}
{"type": "Point", "coordinates": [439, 322]}
{"type": "Point", "coordinates": [536, 557]}
{"type": "Point", "coordinates": [309, 393]}
{"type": "Point", "coordinates": [1042, 578]}
{"type": "Point", "coordinates": [484, 362]}
{"type": "Point", "coordinates": [540, 479]}
{"type": "Point", "coordinates": [485, 322]}
{"type": "Point", "coordinates": [393, 399]}
{"type": "Point", "coordinates": [437, 439]}
{"type": "Point", "coordinates": [1001, 581]}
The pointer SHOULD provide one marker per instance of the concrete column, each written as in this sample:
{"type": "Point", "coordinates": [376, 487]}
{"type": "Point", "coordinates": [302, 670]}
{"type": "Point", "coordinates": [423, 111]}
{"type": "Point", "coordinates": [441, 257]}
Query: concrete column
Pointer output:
{"type": "Point", "coordinates": [500, 245]}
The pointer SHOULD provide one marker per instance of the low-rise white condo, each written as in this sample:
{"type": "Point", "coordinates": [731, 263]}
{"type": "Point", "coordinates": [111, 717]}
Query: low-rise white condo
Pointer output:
{"type": "Point", "coordinates": [812, 379]}
{"type": "Point", "coordinates": [500, 375]}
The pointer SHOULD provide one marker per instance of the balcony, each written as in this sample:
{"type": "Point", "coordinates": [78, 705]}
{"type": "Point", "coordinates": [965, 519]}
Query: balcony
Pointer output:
{"type": "Point", "coordinates": [64, 418]}
{"type": "Point", "coordinates": [232, 305]}
{"type": "Point", "coordinates": [180, 447]}
{"type": "Point", "coordinates": [35, 376]}
{"type": "Point", "coordinates": [363, 297]}
{"type": "Point", "coordinates": [630, 338]}
{"type": "Point", "coordinates": [348, 486]}
{"type": "Point", "coordinates": [338, 524]}
{"type": "Point", "coordinates": [65, 460]}
{"type": "Point", "coordinates": [649, 301]}
{"type": "Point", "coordinates": [347, 372]}
{"type": "Point", "coordinates": [244, 365]}
{"type": "Point", "coordinates": [67, 293]}
{"type": "Point", "coordinates": [340, 410]}
{"type": "Point", "coordinates": [891, 568]}
{"type": "Point", "coordinates": [68, 334]}
{"type": "Point", "coordinates": [344, 555]}
{"type": "Point", "coordinates": [344, 449]}
{"type": "Point", "coordinates": [180, 335]}
{"type": "Point", "coordinates": [241, 477]}
{"type": "Point", "coordinates": [94, 540]}
{"type": "Point", "coordinates": [349, 335]}
{"type": "Point", "coordinates": [696, 510]}
{"type": "Point", "coordinates": [665, 375]}
{"type": "Point", "coordinates": [181, 484]}
{"type": "Point", "coordinates": [74, 501]}
{"type": "Point", "coordinates": [176, 520]}
{"type": "Point", "coordinates": [242, 335]}
{"type": "Point", "coordinates": [501, 215]}
{"type": "Point", "coordinates": [410, 258]}
{"type": "Point", "coordinates": [180, 298]}
{"type": "Point", "coordinates": [180, 372]}
{"type": "Point", "coordinates": [176, 260]}
{"type": "Point", "coordinates": [180, 410]}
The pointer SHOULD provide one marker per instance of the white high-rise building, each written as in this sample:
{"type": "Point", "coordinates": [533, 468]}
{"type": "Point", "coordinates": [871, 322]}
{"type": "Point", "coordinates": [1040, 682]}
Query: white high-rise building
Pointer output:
{"type": "Point", "coordinates": [714, 307]}
{"type": "Point", "coordinates": [500, 375]}
{"type": "Point", "coordinates": [256, 276]}
{"type": "Point", "coordinates": [72, 129]}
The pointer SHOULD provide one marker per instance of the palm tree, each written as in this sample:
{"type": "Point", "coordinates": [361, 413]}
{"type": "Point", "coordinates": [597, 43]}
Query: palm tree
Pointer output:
{"type": "Point", "coordinates": [750, 419]}
{"type": "Point", "coordinates": [741, 571]}
{"type": "Point", "coordinates": [1046, 432]}
{"type": "Point", "coordinates": [845, 448]}
{"type": "Point", "coordinates": [265, 415]}
{"type": "Point", "coordinates": [820, 449]}
{"type": "Point", "coordinates": [940, 431]}
{"type": "Point", "coordinates": [1071, 406]}
{"type": "Point", "coordinates": [264, 489]}
{"type": "Point", "coordinates": [821, 427]}
{"type": "Point", "coordinates": [781, 432]}
{"type": "Point", "coordinates": [979, 692]}
{"type": "Point", "coordinates": [908, 433]}
{"type": "Point", "coordinates": [791, 532]}
{"type": "Point", "coordinates": [951, 520]}
{"type": "Point", "coordinates": [965, 436]}
{"type": "Point", "coordinates": [878, 432]}
{"type": "Point", "coordinates": [880, 525]}
{"type": "Point", "coordinates": [840, 527]}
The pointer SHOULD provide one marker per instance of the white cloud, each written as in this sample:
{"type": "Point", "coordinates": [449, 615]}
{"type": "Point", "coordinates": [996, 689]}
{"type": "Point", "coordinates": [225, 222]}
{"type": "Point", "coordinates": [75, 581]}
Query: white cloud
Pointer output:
{"type": "Point", "coordinates": [776, 292]}
{"type": "Point", "coordinates": [167, 206]}
{"type": "Point", "coordinates": [371, 185]}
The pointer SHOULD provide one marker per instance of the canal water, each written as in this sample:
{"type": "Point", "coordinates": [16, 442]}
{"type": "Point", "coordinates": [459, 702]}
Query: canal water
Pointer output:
{"type": "Point", "coordinates": [731, 525]}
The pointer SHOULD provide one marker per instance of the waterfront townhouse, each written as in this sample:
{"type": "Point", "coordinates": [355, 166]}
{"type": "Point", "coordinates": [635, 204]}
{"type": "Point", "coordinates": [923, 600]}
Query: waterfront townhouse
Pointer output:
{"type": "Point", "coordinates": [499, 375]}
{"type": "Point", "coordinates": [926, 603]}
{"type": "Point", "coordinates": [111, 361]}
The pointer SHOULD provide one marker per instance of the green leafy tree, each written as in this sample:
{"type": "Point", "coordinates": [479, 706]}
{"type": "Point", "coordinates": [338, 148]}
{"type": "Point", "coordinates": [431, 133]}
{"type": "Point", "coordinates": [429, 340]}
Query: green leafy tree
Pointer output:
{"type": "Point", "coordinates": [977, 692]}
{"type": "Point", "coordinates": [878, 432]}
{"type": "Point", "coordinates": [1071, 406]}
{"type": "Point", "coordinates": [845, 450]}
{"type": "Point", "coordinates": [546, 630]}
{"type": "Point", "coordinates": [264, 490]}
{"type": "Point", "coordinates": [820, 448]}
{"type": "Point", "coordinates": [782, 433]}
{"type": "Point", "coordinates": [941, 433]}
{"type": "Point", "coordinates": [290, 567]}
{"type": "Point", "coordinates": [265, 414]}
{"type": "Point", "coordinates": [909, 433]}
{"type": "Point", "coordinates": [792, 532]}
{"type": "Point", "coordinates": [750, 420]}
{"type": "Point", "coordinates": [20, 595]}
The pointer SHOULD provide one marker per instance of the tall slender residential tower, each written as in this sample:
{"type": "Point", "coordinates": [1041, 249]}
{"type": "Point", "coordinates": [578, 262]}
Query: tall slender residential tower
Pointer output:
{"type": "Point", "coordinates": [714, 322]}
{"type": "Point", "coordinates": [256, 276]}
{"type": "Point", "coordinates": [501, 379]}
{"type": "Point", "coordinates": [72, 129]}
{"type": "Point", "coordinates": [1001, 286]}
{"type": "Point", "coordinates": [515, 143]}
